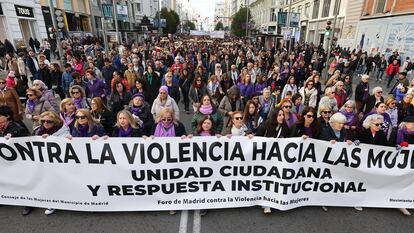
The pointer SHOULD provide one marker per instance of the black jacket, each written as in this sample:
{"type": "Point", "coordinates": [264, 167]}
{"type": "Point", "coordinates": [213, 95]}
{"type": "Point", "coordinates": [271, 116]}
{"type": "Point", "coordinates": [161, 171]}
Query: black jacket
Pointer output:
{"type": "Point", "coordinates": [179, 129]}
{"type": "Point", "coordinates": [328, 134]}
{"type": "Point", "coordinates": [135, 132]}
{"type": "Point", "coordinates": [371, 103]}
{"type": "Point", "coordinates": [146, 117]}
{"type": "Point", "coordinates": [15, 130]}
{"type": "Point", "coordinates": [365, 136]}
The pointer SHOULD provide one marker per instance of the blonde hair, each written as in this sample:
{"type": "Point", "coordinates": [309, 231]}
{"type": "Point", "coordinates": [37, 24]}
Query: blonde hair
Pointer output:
{"type": "Point", "coordinates": [88, 115]}
{"type": "Point", "coordinates": [81, 90]}
{"type": "Point", "coordinates": [63, 104]}
{"type": "Point", "coordinates": [130, 118]}
{"type": "Point", "coordinates": [55, 117]}
{"type": "Point", "coordinates": [165, 111]}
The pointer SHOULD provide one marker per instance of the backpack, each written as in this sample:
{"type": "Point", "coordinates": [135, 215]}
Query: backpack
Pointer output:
{"type": "Point", "coordinates": [409, 66]}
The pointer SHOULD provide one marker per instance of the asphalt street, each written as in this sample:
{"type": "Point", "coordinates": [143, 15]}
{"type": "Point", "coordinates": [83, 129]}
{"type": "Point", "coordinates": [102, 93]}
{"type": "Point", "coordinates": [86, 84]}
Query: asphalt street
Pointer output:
{"type": "Point", "coordinates": [241, 220]}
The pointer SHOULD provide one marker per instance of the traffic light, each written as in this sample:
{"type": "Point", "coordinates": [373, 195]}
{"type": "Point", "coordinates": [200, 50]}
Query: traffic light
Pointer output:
{"type": "Point", "coordinates": [328, 28]}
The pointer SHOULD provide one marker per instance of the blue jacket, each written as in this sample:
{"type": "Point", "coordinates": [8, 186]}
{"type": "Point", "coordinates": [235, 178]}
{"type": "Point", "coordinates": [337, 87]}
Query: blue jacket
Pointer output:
{"type": "Point", "coordinates": [97, 129]}
{"type": "Point", "coordinates": [66, 81]}
{"type": "Point", "coordinates": [97, 89]}
{"type": "Point", "coordinates": [31, 65]}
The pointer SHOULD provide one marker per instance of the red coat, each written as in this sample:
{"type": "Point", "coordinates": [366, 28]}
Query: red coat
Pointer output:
{"type": "Point", "coordinates": [391, 70]}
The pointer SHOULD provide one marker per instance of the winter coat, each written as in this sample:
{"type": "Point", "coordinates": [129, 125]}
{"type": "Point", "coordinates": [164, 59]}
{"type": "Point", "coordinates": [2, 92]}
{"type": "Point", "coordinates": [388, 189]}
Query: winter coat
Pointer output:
{"type": "Point", "coordinates": [136, 132]}
{"type": "Point", "coordinates": [215, 116]}
{"type": "Point", "coordinates": [179, 129]}
{"type": "Point", "coordinates": [62, 132]}
{"type": "Point", "coordinates": [97, 129]}
{"type": "Point", "coordinates": [10, 98]}
{"type": "Point", "coordinates": [195, 94]}
{"type": "Point", "coordinates": [41, 106]}
{"type": "Point", "coordinates": [15, 130]}
{"type": "Point", "coordinates": [66, 81]}
{"type": "Point", "coordinates": [105, 119]}
{"type": "Point", "coordinates": [170, 103]}
{"type": "Point", "coordinates": [328, 134]}
{"type": "Point", "coordinates": [365, 136]}
{"type": "Point", "coordinates": [311, 95]}
{"type": "Point", "coordinates": [96, 89]}
{"type": "Point", "coordinates": [146, 117]}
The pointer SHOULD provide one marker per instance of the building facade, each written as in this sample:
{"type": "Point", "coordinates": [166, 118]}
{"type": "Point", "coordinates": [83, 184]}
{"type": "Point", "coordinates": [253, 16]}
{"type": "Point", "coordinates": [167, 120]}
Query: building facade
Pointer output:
{"type": "Point", "coordinates": [386, 26]}
{"type": "Point", "coordinates": [264, 15]}
{"type": "Point", "coordinates": [20, 20]}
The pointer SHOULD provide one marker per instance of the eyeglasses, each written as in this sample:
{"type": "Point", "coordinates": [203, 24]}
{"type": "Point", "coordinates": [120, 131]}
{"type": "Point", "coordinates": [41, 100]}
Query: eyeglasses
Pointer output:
{"type": "Point", "coordinates": [50, 122]}
{"type": "Point", "coordinates": [2, 82]}
{"type": "Point", "coordinates": [379, 92]}
{"type": "Point", "coordinates": [238, 118]}
{"type": "Point", "coordinates": [310, 84]}
{"type": "Point", "coordinates": [378, 124]}
{"type": "Point", "coordinates": [333, 92]}
{"type": "Point", "coordinates": [75, 92]}
{"type": "Point", "coordinates": [166, 119]}
{"type": "Point", "coordinates": [393, 103]}
{"type": "Point", "coordinates": [310, 116]}
{"type": "Point", "coordinates": [287, 106]}
{"type": "Point", "coordinates": [198, 80]}
{"type": "Point", "coordinates": [30, 95]}
{"type": "Point", "coordinates": [326, 112]}
{"type": "Point", "coordinates": [81, 117]}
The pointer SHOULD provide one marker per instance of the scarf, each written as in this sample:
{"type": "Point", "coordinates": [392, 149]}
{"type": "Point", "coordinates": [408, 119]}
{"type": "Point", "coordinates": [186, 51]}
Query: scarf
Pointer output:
{"type": "Point", "coordinates": [124, 133]}
{"type": "Point", "coordinates": [239, 132]}
{"type": "Point", "coordinates": [31, 105]}
{"type": "Point", "coordinates": [67, 120]}
{"type": "Point", "coordinates": [150, 78]}
{"type": "Point", "coordinates": [401, 133]}
{"type": "Point", "coordinates": [163, 130]}
{"type": "Point", "coordinates": [78, 102]}
{"type": "Point", "coordinates": [206, 109]}
{"type": "Point", "coordinates": [135, 110]}
{"type": "Point", "coordinates": [349, 116]}
{"type": "Point", "coordinates": [83, 130]}
{"type": "Point", "coordinates": [51, 131]}
{"type": "Point", "coordinates": [4, 127]}
{"type": "Point", "coordinates": [205, 133]}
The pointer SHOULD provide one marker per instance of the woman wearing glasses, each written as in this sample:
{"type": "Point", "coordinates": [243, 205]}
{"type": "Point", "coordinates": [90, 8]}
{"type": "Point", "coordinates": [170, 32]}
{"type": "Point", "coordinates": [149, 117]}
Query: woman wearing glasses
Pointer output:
{"type": "Point", "coordinates": [380, 109]}
{"type": "Point", "coordinates": [197, 90]}
{"type": "Point", "coordinates": [86, 127]}
{"type": "Point", "coordinates": [309, 94]}
{"type": "Point", "coordinates": [35, 105]}
{"type": "Point", "coordinates": [307, 125]}
{"type": "Point", "coordinates": [325, 113]}
{"type": "Point", "coordinates": [77, 93]}
{"type": "Point", "coordinates": [51, 125]}
{"type": "Point", "coordinates": [372, 133]}
{"type": "Point", "coordinates": [329, 100]}
{"type": "Point", "coordinates": [290, 118]}
{"type": "Point", "coordinates": [375, 98]}
{"type": "Point", "coordinates": [167, 125]}
{"type": "Point", "coordinates": [237, 126]}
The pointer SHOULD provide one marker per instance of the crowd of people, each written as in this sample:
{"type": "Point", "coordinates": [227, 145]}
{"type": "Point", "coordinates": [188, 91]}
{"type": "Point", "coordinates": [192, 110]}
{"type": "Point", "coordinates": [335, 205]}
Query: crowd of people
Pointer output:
{"type": "Point", "coordinates": [232, 88]}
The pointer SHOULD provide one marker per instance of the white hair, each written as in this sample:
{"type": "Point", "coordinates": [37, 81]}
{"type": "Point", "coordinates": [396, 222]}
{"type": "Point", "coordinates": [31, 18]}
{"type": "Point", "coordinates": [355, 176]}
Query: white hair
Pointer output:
{"type": "Point", "coordinates": [41, 83]}
{"type": "Point", "coordinates": [376, 89]}
{"type": "Point", "coordinates": [338, 83]}
{"type": "Point", "coordinates": [368, 121]}
{"type": "Point", "coordinates": [365, 77]}
{"type": "Point", "coordinates": [349, 102]}
{"type": "Point", "coordinates": [329, 90]}
{"type": "Point", "coordinates": [337, 118]}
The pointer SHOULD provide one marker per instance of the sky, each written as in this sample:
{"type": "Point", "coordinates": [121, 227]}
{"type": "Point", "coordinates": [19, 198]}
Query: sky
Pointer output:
{"type": "Point", "coordinates": [203, 7]}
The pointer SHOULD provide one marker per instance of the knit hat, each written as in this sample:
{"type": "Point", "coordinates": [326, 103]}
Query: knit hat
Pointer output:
{"type": "Point", "coordinates": [403, 73]}
{"type": "Point", "coordinates": [11, 73]}
{"type": "Point", "coordinates": [138, 95]}
{"type": "Point", "coordinates": [409, 119]}
{"type": "Point", "coordinates": [163, 88]}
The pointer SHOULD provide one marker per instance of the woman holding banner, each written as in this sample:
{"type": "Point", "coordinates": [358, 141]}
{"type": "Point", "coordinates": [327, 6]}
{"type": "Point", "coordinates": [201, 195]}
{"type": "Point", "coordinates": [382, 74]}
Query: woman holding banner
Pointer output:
{"type": "Point", "coordinates": [51, 124]}
{"type": "Point", "coordinates": [168, 126]}
{"type": "Point", "coordinates": [67, 112]}
{"type": "Point", "coordinates": [101, 114]}
{"type": "Point", "coordinates": [307, 126]}
{"type": "Point", "coordinates": [372, 133]}
{"type": "Point", "coordinates": [126, 126]}
{"type": "Point", "coordinates": [351, 125]}
{"type": "Point", "coordinates": [141, 112]}
{"type": "Point", "coordinates": [86, 127]}
{"type": "Point", "coordinates": [237, 127]}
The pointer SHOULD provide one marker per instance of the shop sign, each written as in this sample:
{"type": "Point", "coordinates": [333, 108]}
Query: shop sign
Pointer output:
{"type": "Point", "coordinates": [23, 11]}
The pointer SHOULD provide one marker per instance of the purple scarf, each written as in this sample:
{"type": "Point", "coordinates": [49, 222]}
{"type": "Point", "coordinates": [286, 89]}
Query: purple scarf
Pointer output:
{"type": "Point", "coordinates": [206, 109]}
{"type": "Point", "coordinates": [400, 135]}
{"type": "Point", "coordinates": [83, 130]}
{"type": "Point", "coordinates": [78, 102]}
{"type": "Point", "coordinates": [366, 93]}
{"type": "Point", "coordinates": [349, 116]}
{"type": "Point", "coordinates": [136, 110]}
{"type": "Point", "coordinates": [205, 133]}
{"type": "Point", "coordinates": [125, 133]}
{"type": "Point", "coordinates": [163, 130]}
{"type": "Point", "coordinates": [31, 105]}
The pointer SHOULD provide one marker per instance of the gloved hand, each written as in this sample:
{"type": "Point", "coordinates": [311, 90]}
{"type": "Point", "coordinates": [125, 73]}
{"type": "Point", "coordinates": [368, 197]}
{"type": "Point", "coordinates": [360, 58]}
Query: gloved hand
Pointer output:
{"type": "Point", "coordinates": [357, 142]}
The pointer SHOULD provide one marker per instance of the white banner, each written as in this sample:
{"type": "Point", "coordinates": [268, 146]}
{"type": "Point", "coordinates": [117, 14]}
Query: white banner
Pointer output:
{"type": "Point", "coordinates": [197, 33]}
{"type": "Point", "coordinates": [217, 34]}
{"type": "Point", "coordinates": [132, 174]}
